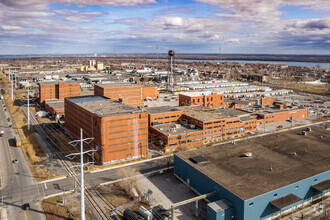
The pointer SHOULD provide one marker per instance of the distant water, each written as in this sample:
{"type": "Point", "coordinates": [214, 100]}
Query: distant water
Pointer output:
{"type": "Point", "coordinates": [307, 64]}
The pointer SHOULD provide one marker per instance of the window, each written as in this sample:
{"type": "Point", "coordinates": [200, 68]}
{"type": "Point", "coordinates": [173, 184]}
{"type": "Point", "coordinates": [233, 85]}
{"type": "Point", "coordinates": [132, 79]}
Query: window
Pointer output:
{"type": "Point", "coordinates": [211, 99]}
{"type": "Point", "coordinates": [251, 204]}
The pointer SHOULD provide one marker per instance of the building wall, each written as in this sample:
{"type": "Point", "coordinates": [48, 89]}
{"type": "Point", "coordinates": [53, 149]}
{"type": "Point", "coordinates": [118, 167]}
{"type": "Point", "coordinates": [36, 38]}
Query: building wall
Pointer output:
{"type": "Point", "coordinates": [58, 91]}
{"type": "Point", "coordinates": [151, 92]}
{"type": "Point", "coordinates": [262, 209]}
{"type": "Point", "coordinates": [47, 92]}
{"type": "Point", "coordinates": [117, 136]}
{"type": "Point", "coordinates": [125, 136]}
{"type": "Point", "coordinates": [203, 184]}
{"type": "Point", "coordinates": [52, 111]}
{"type": "Point", "coordinates": [161, 118]}
{"type": "Point", "coordinates": [283, 116]}
{"type": "Point", "coordinates": [212, 101]}
{"type": "Point", "coordinates": [134, 94]}
{"type": "Point", "coordinates": [267, 101]}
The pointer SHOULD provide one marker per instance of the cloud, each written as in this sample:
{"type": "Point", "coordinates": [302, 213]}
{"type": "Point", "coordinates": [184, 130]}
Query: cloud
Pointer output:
{"type": "Point", "coordinates": [9, 27]}
{"type": "Point", "coordinates": [77, 16]}
{"type": "Point", "coordinates": [177, 10]}
{"type": "Point", "coordinates": [44, 4]}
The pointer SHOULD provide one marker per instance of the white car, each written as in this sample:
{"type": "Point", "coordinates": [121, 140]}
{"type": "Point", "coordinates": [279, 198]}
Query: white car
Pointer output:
{"type": "Point", "coordinates": [15, 161]}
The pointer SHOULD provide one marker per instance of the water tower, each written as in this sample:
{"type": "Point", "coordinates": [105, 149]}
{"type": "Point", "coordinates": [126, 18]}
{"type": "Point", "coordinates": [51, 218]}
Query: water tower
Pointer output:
{"type": "Point", "coordinates": [171, 59]}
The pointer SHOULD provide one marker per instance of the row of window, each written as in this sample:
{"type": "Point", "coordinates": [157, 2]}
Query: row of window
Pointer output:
{"type": "Point", "coordinates": [166, 117]}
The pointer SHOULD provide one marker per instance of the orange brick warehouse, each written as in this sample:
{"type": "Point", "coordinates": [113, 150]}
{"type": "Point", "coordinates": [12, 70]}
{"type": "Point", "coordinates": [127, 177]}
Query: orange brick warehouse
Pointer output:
{"type": "Point", "coordinates": [57, 90]}
{"type": "Point", "coordinates": [120, 131]}
{"type": "Point", "coordinates": [133, 92]}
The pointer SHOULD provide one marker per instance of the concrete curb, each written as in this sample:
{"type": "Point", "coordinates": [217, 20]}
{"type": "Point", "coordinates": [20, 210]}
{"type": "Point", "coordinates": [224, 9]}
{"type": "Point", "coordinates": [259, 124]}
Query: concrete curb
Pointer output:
{"type": "Point", "coordinates": [58, 194]}
{"type": "Point", "coordinates": [129, 164]}
{"type": "Point", "coordinates": [144, 174]}
{"type": "Point", "coordinates": [51, 180]}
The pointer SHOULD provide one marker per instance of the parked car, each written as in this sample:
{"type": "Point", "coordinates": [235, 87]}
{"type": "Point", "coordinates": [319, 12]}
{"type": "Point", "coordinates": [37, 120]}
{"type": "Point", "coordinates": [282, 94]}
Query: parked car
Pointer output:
{"type": "Point", "coordinates": [26, 206]}
{"type": "Point", "coordinates": [15, 161]}
{"type": "Point", "coordinates": [280, 126]}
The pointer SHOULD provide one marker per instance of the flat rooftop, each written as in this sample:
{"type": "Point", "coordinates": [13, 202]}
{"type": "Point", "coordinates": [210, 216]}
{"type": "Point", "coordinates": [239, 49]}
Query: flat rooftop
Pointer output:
{"type": "Point", "coordinates": [204, 114]}
{"type": "Point", "coordinates": [55, 104]}
{"type": "Point", "coordinates": [170, 129]}
{"type": "Point", "coordinates": [267, 110]}
{"type": "Point", "coordinates": [56, 82]}
{"type": "Point", "coordinates": [161, 109]}
{"type": "Point", "coordinates": [102, 106]}
{"type": "Point", "coordinates": [248, 177]}
{"type": "Point", "coordinates": [114, 85]}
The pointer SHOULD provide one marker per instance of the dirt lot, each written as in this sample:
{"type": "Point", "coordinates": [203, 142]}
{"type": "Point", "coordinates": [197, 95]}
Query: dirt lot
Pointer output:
{"type": "Point", "coordinates": [54, 208]}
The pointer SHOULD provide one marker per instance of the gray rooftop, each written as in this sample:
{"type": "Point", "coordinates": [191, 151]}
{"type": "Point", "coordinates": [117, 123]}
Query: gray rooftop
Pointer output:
{"type": "Point", "coordinates": [161, 109]}
{"type": "Point", "coordinates": [102, 106]}
{"type": "Point", "coordinates": [114, 85]}
{"type": "Point", "coordinates": [172, 129]}
{"type": "Point", "coordinates": [57, 81]}
{"type": "Point", "coordinates": [267, 110]}
{"type": "Point", "coordinates": [248, 177]}
{"type": "Point", "coordinates": [55, 104]}
{"type": "Point", "coordinates": [206, 114]}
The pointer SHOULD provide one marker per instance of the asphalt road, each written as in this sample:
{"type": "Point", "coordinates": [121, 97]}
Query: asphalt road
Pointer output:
{"type": "Point", "coordinates": [18, 186]}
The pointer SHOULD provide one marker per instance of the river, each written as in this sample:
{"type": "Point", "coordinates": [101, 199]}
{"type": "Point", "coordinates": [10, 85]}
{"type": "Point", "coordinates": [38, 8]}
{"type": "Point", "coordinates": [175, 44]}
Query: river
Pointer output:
{"type": "Point", "coordinates": [288, 63]}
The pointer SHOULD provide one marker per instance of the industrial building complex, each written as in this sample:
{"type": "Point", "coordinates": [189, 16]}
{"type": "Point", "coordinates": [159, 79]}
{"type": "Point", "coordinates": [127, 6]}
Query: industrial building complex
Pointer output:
{"type": "Point", "coordinates": [197, 140]}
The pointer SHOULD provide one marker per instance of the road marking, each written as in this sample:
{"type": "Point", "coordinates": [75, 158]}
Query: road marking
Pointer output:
{"type": "Point", "coordinates": [11, 156]}
{"type": "Point", "coordinates": [25, 215]}
{"type": "Point", "coordinates": [45, 186]}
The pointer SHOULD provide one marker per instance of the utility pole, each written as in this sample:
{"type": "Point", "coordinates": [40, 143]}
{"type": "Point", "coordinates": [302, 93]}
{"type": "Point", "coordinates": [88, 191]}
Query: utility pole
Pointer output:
{"type": "Point", "coordinates": [28, 108]}
{"type": "Point", "coordinates": [12, 92]}
{"type": "Point", "coordinates": [82, 152]}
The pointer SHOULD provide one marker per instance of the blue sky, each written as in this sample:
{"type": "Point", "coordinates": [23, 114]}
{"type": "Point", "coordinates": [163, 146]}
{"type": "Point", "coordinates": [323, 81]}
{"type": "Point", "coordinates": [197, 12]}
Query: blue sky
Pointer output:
{"type": "Point", "coordinates": [187, 26]}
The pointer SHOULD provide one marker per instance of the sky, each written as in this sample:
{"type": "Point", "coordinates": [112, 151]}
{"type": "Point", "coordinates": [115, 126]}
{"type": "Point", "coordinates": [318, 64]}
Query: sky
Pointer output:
{"type": "Point", "coordinates": [186, 26]}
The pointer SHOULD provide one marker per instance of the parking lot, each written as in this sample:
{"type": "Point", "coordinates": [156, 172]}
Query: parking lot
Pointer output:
{"type": "Point", "coordinates": [166, 190]}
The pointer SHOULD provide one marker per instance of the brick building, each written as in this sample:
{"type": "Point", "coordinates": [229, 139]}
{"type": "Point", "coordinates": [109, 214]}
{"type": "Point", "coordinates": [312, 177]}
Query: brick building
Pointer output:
{"type": "Point", "coordinates": [272, 114]}
{"type": "Point", "coordinates": [206, 99]}
{"type": "Point", "coordinates": [55, 107]}
{"type": "Point", "coordinates": [57, 90]}
{"type": "Point", "coordinates": [196, 126]}
{"type": "Point", "coordinates": [151, 92]}
{"type": "Point", "coordinates": [132, 92]}
{"type": "Point", "coordinates": [120, 131]}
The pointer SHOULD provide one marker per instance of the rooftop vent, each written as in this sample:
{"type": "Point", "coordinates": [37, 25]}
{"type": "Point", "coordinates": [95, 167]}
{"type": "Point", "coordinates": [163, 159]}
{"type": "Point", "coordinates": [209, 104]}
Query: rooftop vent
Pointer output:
{"type": "Point", "coordinates": [198, 159]}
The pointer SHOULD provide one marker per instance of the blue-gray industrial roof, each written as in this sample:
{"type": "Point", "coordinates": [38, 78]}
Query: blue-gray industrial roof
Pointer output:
{"type": "Point", "coordinates": [87, 99]}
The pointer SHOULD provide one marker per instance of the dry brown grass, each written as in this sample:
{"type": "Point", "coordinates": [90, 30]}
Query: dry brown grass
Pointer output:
{"type": "Point", "coordinates": [321, 119]}
{"type": "Point", "coordinates": [55, 211]}
{"type": "Point", "coordinates": [32, 149]}
{"type": "Point", "coordinates": [315, 89]}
